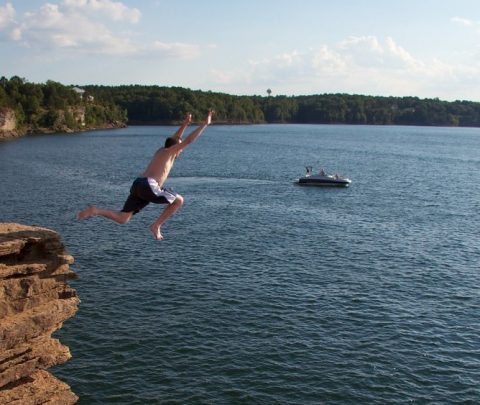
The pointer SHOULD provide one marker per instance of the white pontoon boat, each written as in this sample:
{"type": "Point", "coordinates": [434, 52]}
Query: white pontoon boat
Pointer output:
{"type": "Point", "coordinates": [323, 179]}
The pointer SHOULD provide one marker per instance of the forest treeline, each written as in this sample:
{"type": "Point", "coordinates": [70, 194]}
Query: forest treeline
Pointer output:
{"type": "Point", "coordinates": [53, 106]}
{"type": "Point", "coordinates": [154, 104]}
{"type": "Point", "coordinates": [50, 104]}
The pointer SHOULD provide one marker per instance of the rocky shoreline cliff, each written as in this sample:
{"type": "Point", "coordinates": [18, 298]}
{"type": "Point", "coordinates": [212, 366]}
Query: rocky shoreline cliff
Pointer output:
{"type": "Point", "coordinates": [35, 300]}
{"type": "Point", "coordinates": [9, 128]}
{"type": "Point", "coordinates": [8, 124]}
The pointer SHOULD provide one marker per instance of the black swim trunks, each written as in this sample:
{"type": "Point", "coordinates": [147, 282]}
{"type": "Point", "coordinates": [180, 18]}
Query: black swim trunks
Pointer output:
{"type": "Point", "coordinates": [146, 190]}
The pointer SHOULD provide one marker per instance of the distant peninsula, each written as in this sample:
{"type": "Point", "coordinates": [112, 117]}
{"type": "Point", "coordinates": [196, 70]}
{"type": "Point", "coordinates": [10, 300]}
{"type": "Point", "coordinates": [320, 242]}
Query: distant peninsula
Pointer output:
{"type": "Point", "coordinates": [53, 107]}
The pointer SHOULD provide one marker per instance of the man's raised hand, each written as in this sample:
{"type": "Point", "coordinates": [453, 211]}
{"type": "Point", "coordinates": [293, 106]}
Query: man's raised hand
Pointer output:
{"type": "Point", "coordinates": [208, 121]}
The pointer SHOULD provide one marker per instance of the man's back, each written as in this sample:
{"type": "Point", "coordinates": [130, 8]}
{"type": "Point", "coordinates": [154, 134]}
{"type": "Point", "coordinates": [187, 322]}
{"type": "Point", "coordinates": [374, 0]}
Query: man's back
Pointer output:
{"type": "Point", "coordinates": [160, 165]}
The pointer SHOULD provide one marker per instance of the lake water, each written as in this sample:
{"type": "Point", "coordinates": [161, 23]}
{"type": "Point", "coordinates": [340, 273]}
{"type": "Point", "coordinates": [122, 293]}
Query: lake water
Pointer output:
{"type": "Point", "coordinates": [264, 292]}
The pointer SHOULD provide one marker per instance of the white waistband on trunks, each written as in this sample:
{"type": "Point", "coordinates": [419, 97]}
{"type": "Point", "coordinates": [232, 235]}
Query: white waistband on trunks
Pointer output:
{"type": "Point", "coordinates": [159, 191]}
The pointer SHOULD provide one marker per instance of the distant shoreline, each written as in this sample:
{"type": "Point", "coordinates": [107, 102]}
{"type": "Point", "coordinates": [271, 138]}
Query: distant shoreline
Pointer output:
{"type": "Point", "coordinates": [15, 134]}
{"type": "Point", "coordinates": [55, 108]}
{"type": "Point", "coordinates": [11, 135]}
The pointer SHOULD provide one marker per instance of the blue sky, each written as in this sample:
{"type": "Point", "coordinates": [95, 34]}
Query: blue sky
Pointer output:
{"type": "Point", "coordinates": [424, 48]}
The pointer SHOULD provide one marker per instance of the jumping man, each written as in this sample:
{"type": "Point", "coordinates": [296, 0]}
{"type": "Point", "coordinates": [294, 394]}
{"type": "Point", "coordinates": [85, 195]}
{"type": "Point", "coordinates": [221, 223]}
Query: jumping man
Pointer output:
{"type": "Point", "coordinates": [149, 187]}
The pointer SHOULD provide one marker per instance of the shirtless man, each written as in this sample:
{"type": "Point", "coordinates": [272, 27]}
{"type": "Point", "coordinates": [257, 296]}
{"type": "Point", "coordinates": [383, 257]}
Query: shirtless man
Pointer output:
{"type": "Point", "coordinates": [149, 187]}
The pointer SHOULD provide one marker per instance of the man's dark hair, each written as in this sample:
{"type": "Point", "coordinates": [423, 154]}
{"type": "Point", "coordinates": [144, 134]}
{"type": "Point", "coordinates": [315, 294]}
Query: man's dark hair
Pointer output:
{"type": "Point", "coordinates": [170, 142]}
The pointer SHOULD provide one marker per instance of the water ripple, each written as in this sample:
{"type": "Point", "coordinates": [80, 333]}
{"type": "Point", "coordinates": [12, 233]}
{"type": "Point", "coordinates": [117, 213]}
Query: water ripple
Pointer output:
{"type": "Point", "coordinates": [263, 292]}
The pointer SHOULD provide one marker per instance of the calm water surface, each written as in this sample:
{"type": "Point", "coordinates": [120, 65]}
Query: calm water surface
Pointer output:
{"type": "Point", "coordinates": [264, 292]}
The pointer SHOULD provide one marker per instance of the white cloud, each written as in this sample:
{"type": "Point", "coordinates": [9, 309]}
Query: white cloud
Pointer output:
{"type": "Point", "coordinates": [369, 51]}
{"type": "Point", "coordinates": [53, 27]}
{"type": "Point", "coordinates": [176, 49]}
{"type": "Point", "coordinates": [463, 21]}
{"type": "Point", "coordinates": [365, 65]}
{"type": "Point", "coordinates": [112, 9]}
{"type": "Point", "coordinates": [472, 26]}
{"type": "Point", "coordinates": [8, 27]}
{"type": "Point", "coordinates": [7, 13]}
{"type": "Point", "coordinates": [223, 77]}
{"type": "Point", "coordinates": [328, 61]}
{"type": "Point", "coordinates": [361, 50]}
{"type": "Point", "coordinates": [85, 27]}
{"type": "Point", "coordinates": [397, 54]}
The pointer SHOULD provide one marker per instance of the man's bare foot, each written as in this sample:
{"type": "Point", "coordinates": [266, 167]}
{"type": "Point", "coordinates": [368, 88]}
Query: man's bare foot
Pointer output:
{"type": "Point", "coordinates": [88, 212]}
{"type": "Point", "coordinates": [155, 229]}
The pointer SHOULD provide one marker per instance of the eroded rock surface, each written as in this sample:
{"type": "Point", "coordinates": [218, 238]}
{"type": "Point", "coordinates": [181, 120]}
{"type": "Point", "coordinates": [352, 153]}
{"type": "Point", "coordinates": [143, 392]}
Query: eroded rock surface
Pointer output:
{"type": "Point", "coordinates": [35, 300]}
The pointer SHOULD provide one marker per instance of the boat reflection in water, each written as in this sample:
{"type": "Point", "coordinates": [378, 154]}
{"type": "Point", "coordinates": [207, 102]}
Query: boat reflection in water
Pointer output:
{"type": "Point", "coordinates": [323, 179]}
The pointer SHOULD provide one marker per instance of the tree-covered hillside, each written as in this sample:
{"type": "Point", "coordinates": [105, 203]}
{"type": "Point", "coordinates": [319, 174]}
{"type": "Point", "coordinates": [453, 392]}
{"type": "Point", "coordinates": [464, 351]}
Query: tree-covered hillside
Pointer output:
{"type": "Point", "coordinates": [59, 107]}
{"type": "Point", "coordinates": [55, 107]}
{"type": "Point", "coordinates": [154, 104]}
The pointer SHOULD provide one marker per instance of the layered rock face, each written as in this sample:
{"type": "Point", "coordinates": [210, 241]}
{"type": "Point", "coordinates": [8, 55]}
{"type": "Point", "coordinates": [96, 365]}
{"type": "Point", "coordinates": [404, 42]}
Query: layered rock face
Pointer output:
{"type": "Point", "coordinates": [35, 300]}
{"type": "Point", "coordinates": [8, 124]}
{"type": "Point", "coordinates": [7, 120]}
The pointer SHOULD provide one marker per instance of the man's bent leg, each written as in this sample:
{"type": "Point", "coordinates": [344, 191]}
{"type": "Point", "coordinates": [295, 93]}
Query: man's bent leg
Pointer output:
{"type": "Point", "coordinates": [167, 213]}
{"type": "Point", "coordinates": [119, 217]}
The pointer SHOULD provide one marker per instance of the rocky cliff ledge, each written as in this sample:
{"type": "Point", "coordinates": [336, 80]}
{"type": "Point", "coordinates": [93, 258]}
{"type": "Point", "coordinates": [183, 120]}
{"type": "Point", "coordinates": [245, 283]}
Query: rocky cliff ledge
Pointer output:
{"type": "Point", "coordinates": [34, 302]}
{"type": "Point", "coordinates": [8, 124]}
{"type": "Point", "coordinates": [57, 124]}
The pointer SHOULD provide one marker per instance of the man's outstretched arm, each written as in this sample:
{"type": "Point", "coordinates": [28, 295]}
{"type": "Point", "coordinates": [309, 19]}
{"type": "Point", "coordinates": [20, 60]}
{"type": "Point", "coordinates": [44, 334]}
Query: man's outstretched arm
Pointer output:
{"type": "Point", "coordinates": [186, 121]}
{"type": "Point", "coordinates": [195, 134]}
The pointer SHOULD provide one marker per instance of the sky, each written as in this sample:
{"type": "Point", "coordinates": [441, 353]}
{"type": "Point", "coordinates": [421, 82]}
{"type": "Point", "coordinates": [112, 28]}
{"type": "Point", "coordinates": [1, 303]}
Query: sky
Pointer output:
{"type": "Point", "coordinates": [422, 48]}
